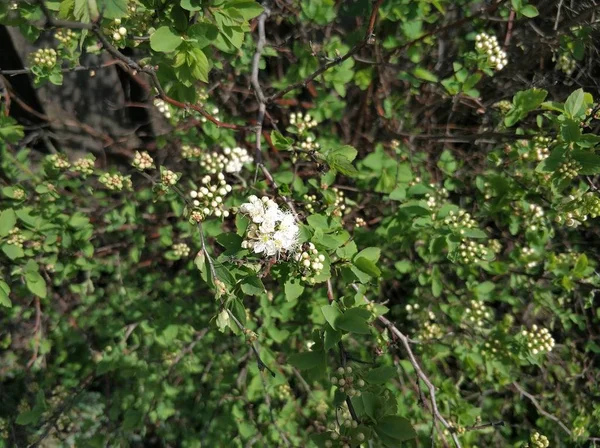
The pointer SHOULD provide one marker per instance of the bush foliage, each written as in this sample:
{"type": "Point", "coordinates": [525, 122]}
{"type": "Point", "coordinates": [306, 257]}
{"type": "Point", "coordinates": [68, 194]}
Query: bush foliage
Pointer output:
{"type": "Point", "coordinates": [361, 223]}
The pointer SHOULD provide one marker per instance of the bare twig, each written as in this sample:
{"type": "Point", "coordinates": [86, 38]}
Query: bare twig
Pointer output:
{"type": "Point", "coordinates": [413, 360]}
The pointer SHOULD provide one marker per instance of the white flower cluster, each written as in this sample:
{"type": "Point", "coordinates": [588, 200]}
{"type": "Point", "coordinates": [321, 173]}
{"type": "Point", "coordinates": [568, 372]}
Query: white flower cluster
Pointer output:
{"type": "Point", "coordinates": [436, 198]}
{"type": "Point", "coordinates": [488, 45]}
{"type": "Point", "coordinates": [528, 256]}
{"type": "Point", "coordinates": [535, 218]}
{"type": "Point", "coordinates": [302, 122]}
{"type": "Point", "coordinates": [311, 262]}
{"type": "Point", "coordinates": [476, 313]}
{"type": "Point", "coordinates": [208, 199]}
{"type": "Point", "coordinates": [58, 161]}
{"type": "Point", "coordinates": [538, 441]}
{"type": "Point", "coordinates": [84, 165]}
{"type": "Point", "coordinates": [44, 57]}
{"type": "Point", "coordinates": [189, 152]}
{"type": "Point", "coordinates": [15, 237]}
{"type": "Point", "coordinates": [272, 231]}
{"type": "Point", "coordinates": [115, 182]}
{"type": "Point", "coordinates": [168, 177]}
{"type": "Point", "coordinates": [162, 107]}
{"type": "Point", "coordinates": [230, 161]}
{"type": "Point", "coordinates": [64, 36]}
{"type": "Point", "coordinates": [142, 161]}
{"type": "Point", "coordinates": [539, 340]}
{"type": "Point", "coordinates": [181, 250]}
{"type": "Point", "coordinates": [119, 31]}
{"type": "Point", "coordinates": [347, 383]}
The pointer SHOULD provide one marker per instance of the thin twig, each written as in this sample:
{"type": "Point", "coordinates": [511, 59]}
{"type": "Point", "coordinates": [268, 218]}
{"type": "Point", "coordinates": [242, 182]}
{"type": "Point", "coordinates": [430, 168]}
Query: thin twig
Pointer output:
{"type": "Point", "coordinates": [413, 360]}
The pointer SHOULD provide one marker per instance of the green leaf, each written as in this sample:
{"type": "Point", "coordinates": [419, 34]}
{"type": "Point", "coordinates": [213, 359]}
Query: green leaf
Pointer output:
{"type": "Point", "coordinates": [424, 74]}
{"type": "Point", "coordinates": [36, 283]}
{"type": "Point", "coordinates": [367, 266]}
{"type": "Point", "coordinates": [252, 285]}
{"type": "Point", "coordinates": [370, 253]}
{"type": "Point", "coordinates": [202, 34]}
{"type": "Point", "coordinates": [436, 281]}
{"type": "Point", "coordinates": [8, 219]}
{"type": "Point", "coordinates": [280, 142]}
{"type": "Point", "coordinates": [12, 251]}
{"type": "Point", "coordinates": [332, 337]}
{"type": "Point", "coordinates": [474, 233]}
{"type": "Point", "coordinates": [247, 9]}
{"type": "Point", "coordinates": [164, 40]}
{"type": "Point", "coordinates": [347, 151]}
{"type": "Point", "coordinates": [293, 289]}
{"type": "Point", "coordinates": [579, 268]}
{"type": "Point", "coordinates": [307, 360]}
{"type": "Point", "coordinates": [4, 293]}
{"type": "Point", "coordinates": [590, 162]}
{"type": "Point", "coordinates": [112, 9]}
{"type": "Point", "coordinates": [353, 321]}
{"type": "Point", "coordinates": [529, 11]}
{"type": "Point", "coordinates": [575, 104]}
{"type": "Point", "coordinates": [331, 313]}
{"type": "Point", "coordinates": [396, 428]}
{"type": "Point", "coordinates": [381, 375]}
{"type": "Point", "coordinates": [528, 100]}
{"type": "Point", "coordinates": [570, 131]}
{"type": "Point", "coordinates": [370, 404]}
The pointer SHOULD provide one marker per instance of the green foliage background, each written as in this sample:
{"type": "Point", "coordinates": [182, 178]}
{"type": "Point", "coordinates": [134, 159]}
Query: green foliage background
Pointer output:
{"type": "Point", "coordinates": [455, 205]}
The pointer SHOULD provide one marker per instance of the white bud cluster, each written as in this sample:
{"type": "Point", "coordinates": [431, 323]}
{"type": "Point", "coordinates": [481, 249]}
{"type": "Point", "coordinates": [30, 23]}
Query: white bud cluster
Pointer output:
{"type": "Point", "coordinates": [431, 330]}
{"type": "Point", "coordinates": [503, 106]}
{"type": "Point", "coordinates": [302, 122]}
{"type": "Point", "coordinates": [470, 252]}
{"type": "Point", "coordinates": [580, 208]}
{"type": "Point", "coordinates": [209, 199]}
{"type": "Point", "coordinates": [237, 158]}
{"type": "Point", "coordinates": [310, 262]}
{"type": "Point", "coordinates": [14, 6]}
{"type": "Point", "coordinates": [539, 340]}
{"type": "Point", "coordinates": [477, 313]}
{"type": "Point", "coordinates": [181, 250]}
{"type": "Point", "coordinates": [15, 237]}
{"type": "Point", "coordinates": [493, 347]}
{"type": "Point", "coordinates": [437, 198]}
{"type": "Point", "coordinates": [569, 169]}
{"type": "Point", "coordinates": [538, 440]}
{"type": "Point", "coordinates": [142, 161]}
{"type": "Point", "coordinates": [230, 161]}
{"type": "Point", "coordinates": [189, 152]}
{"type": "Point", "coordinates": [168, 177]}
{"type": "Point", "coordinates": [340, 202]}
{"type": "Point", "coordinates": [495, 246]}
{"type": "Point", "coordinates": [488, 45]}
{"type": "Point", "coordinates": [162, 107]}
{"type": "Point", "coordinates": [566, 64]}
{"type": "Point", "coordinates": [488, 191]}
{"type": "Point", "coordinates": [415, 181]}
{"type": "Point", "coordinates": [528, 256]}
{"type": "Point", "coordinates": [84, 165]}
{"type": "Point", "coordinates": [64, 36]}
{"type": "Point", "coordinates": [359, 222]}
{"type": "Point", "coordinates": [119, 31]}
{"type": "Point", "coordinates": [58, 161]}
{"type": "Point", "coordinates": [535, 217]}
{"type": "Point", "coordinates": [45, 57]}
{"type": "Point", "coordinates": [309, 201]}
{"type": "Point", "coordinates": [348, 383]}
{"type": "Point", "coordinates": [18, 194]}
{"type": "Point", "coordinates": [115, 182]}
{"type": "Point", "coordinates": [412, 308]}
{"type": "Point", "coordinates": [309, 144]}
{"type": "Point", "coordinates": [541, 147]}
{"type": "Point", "coordinates": [272, 231]}
{"type": "Point", "coordinates": [214, 113]}
{"type": "Point", "coordinates": [459, 221]}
